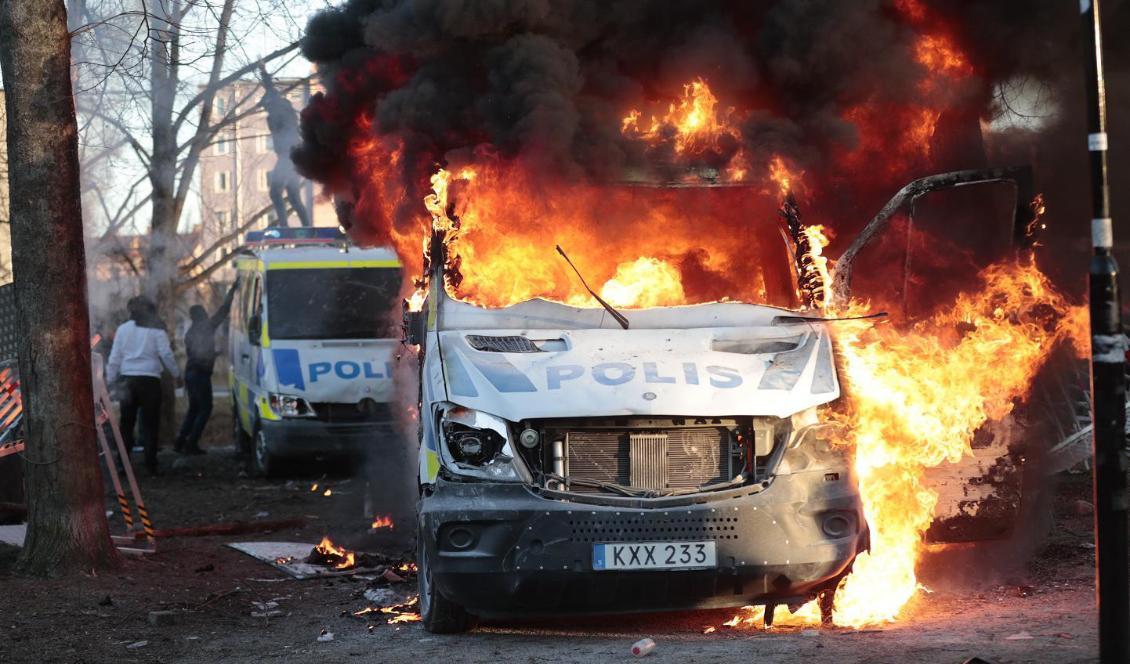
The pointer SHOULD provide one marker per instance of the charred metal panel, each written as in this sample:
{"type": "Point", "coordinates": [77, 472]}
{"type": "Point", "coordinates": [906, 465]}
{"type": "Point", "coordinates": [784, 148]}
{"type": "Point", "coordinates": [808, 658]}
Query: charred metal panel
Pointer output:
{"type": "Point", "coordinates": [979, 497]}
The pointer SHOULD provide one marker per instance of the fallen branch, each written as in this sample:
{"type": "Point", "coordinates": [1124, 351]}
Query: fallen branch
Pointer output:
{"type": "Point", "coordinates": [233, 528]}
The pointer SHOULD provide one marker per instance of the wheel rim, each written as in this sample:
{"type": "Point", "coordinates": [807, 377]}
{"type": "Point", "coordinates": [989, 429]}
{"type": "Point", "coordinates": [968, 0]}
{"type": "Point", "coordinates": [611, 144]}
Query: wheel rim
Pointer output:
{"type": "Point", "coordinates": [261, 451]}
{"type": "Point", "coordinates": [424, 574]}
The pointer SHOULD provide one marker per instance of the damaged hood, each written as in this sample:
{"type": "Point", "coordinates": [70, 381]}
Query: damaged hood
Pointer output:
{"type": "Point", "coordinates": [775, 370]}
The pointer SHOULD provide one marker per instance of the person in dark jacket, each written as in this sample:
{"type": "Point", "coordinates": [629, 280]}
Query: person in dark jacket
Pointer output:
{"type": "Point", "coordinates": [200, 349]}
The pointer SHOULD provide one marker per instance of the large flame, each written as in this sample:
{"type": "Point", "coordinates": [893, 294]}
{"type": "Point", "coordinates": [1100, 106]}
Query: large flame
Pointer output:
{"type": "Point", "coordinates": [915, 393]}
{"type": "Point", "coordinates": [915, 400]}
{"type": "Point", "coordinates": [915, 397]}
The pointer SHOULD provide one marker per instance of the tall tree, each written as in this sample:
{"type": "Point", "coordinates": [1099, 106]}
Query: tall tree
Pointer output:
{"type": "Point", "coordinates": [67, 527]}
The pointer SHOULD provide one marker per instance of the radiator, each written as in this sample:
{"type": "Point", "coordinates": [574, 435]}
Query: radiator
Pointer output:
{"type": "Point", "coordinates": [650, 459]}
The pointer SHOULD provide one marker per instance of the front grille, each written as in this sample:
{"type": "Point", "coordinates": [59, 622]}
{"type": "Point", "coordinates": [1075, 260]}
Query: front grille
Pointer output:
{"type": "Point", "coordinates": [352, 413]}
{"type": "Point", "coordinates": [640, 528]}
{"type": "Point", "coordinates": [676, 458]}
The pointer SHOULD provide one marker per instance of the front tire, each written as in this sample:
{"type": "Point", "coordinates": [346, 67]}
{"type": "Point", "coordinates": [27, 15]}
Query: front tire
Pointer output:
{"type": "Point", "coordinates": [438, 614]}
{"type": "Point", "coordinates": [266, 464]}
{"type": "Point", "coordinates": [242, 439]}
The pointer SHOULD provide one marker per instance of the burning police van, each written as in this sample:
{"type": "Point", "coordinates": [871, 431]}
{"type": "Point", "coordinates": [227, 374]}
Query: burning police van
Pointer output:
{"type": "Point", "coordinates": [311, 345]}
{"type": "Point", "coordinates": [593, 460]}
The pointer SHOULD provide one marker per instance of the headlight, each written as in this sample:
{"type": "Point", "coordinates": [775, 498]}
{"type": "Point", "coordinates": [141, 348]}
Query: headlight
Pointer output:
{"type": "Point", "coordinates": [287, 405]}
{"type": "Point", "coordinates": [477, 445]}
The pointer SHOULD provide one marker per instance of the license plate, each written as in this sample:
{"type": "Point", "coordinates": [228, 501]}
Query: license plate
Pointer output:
{"type": "Point", "coordinates": [654, 555]}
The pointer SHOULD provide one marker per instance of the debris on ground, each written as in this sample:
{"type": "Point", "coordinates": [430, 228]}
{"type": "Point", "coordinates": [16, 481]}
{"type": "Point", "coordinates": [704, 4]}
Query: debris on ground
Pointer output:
{"type": "Point", "coordinates": [137, 644]}
{"type": "Point", "coordinates": [162, 618]}
{"type": "Point", "coordinates": [382, 596]}
{"type": "Point", "coordinates": [403, 612]}
{"type": "Point", "coordinates": [326, 635]}
{"type": "Point", "coordinates": [643, 647]}
{"type": "Point", "coordinates": [268, 609]}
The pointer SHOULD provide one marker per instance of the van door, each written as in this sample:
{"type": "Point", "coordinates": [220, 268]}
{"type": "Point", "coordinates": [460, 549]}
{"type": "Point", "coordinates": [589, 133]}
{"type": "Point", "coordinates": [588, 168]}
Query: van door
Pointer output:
{"type": "Point", "coordinates": [243, 348]}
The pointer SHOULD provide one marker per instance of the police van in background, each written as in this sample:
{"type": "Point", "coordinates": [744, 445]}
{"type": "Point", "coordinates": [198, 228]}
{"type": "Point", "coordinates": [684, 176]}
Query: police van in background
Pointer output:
{"type": "Point", "coordinates": [312, 346]}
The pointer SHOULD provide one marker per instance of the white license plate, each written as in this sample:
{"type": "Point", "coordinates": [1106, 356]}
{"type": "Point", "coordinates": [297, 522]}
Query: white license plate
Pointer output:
{"type": "Point", "coordinates": [654, 555]}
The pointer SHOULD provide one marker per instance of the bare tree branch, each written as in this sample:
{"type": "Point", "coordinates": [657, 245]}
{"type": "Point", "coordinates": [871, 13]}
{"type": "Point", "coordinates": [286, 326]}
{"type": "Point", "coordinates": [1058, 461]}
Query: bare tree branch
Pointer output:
{"type": "Point", "coordinates": [230, 78]}
{"type": "Point", "coordinates": [199, 260]}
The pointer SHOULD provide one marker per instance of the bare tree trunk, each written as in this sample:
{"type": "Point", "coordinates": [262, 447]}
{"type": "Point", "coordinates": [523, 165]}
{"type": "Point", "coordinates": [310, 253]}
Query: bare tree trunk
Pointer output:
{"type": "Point", "coordinates": [164, 45]}
{"type": "Point", "coordinates": [67, 527]}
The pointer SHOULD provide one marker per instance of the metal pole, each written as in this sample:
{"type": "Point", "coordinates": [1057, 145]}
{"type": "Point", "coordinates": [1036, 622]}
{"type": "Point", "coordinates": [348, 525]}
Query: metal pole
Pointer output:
{"type": "Point", "coordinates": [1108, 378]}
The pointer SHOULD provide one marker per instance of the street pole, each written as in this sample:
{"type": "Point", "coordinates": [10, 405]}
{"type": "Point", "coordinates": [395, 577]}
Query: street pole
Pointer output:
{"type": "Point", "coordinates": [1108, 378]}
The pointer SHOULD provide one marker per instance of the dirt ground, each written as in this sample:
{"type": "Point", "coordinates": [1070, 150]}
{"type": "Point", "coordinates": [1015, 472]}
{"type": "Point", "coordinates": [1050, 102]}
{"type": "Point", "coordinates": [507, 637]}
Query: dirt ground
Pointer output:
{"type": "Point", "coordinates": [1042, 611]}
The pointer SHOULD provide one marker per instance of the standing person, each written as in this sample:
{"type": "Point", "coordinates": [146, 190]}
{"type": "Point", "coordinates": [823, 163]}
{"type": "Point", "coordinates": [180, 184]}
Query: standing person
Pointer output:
{"type": "Point", "coordinates": [200, 349]}
{"type": "Point", "coordinates": [282, 122]}
{"type": "Point", "coordinates": [141, 347]}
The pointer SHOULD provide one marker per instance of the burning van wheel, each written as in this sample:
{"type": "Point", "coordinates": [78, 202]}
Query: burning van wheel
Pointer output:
{"type": "Point", "coordinates": [438, 614]}
{"type": "Point", "coordinates": [266, 464]}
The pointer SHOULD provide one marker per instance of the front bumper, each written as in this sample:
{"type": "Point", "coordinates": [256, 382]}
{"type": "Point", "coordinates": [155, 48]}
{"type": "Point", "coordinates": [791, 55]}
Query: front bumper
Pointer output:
{"type": "Point", "coordinates": [293, 438]}
{"type": "Point", "coordinates": [502, 549]}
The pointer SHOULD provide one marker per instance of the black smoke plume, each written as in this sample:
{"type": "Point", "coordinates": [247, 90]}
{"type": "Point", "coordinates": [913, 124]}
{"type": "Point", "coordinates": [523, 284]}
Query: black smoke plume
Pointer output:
{"type": "Point", "coordinates": [547, 82]}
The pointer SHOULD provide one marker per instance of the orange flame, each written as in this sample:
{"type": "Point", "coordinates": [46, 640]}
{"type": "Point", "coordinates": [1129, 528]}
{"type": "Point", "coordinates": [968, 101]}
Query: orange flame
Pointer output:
{"type": "Point", "coordinates": [504, 263]}
{"type": "Point", "coordinates": [380, 522]}
{"type": "Point", "coordinates": [327, 548]}
{"type": "Point", "coordinates": [815, 261]}
{"type": "Point", "coordinates": [694, 121]}
{"type": "Point", "coordinates": [645, 282]}
{"type": "Point", "coordinates": [915, 401]}
{"type": "Point", "coordinates": [785, 178]}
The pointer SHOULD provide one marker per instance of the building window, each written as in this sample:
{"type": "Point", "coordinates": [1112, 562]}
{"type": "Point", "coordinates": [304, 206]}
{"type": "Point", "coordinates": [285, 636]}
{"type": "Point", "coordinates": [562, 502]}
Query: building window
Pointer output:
{"type": "Point", "coordinates": [223, 216]}
{"type": "Point", "coordinates": [220, 106]}
{"type": "Point", "coordinates": [264, 177]}
{"type": "Point", "coordinates": [266, 143]}
{"type": "Point", "coordinates": [223, 146]}
{"type": "Point", "coordinates": [223, 181]}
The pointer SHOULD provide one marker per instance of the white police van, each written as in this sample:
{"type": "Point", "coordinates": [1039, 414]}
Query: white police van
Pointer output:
{"type": "Point", "coordinates": [315, 328]}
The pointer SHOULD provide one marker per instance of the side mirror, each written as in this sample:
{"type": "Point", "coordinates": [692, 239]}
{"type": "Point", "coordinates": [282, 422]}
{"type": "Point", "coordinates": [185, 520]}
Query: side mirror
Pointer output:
{"type": "Point", "coordinates": [254, 329]}
{"type": "Point", "coordinates": [415, 327]}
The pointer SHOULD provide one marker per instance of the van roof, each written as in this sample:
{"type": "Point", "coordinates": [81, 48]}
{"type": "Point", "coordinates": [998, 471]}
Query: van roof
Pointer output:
{"type": "Point", "coordinates": [281, 258]}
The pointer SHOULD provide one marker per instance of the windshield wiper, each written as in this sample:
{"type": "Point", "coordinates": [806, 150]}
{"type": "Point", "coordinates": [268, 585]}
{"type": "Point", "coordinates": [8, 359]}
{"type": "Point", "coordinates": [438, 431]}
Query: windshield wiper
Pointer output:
{"type": "Point", "coordinates": [620, 318]}
{"type": "Point", "coordinates": [794, 320]}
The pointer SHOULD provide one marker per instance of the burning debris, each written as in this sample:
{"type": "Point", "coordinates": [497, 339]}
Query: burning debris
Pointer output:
{"type": "Point", "coordinates": [382, 522]}
{"type": "Point", "coordinates": [331, 555]}
{"type": "Point", "coordinates": [389, 568]}
{"type": "Point", "coordinates": [403, 612]}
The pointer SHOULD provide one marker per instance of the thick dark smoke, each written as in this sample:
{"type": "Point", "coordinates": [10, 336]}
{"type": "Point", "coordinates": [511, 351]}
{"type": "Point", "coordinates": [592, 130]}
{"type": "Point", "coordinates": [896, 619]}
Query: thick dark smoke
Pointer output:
{"type": "Point", "coordinates": [548, 81]}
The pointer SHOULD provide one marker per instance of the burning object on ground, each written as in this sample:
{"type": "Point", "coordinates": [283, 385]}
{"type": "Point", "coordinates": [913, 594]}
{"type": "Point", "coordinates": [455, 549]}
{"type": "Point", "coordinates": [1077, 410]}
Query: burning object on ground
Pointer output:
{"type": "Point", "coordinates": [331, 555]}
{"type": "Point", "coordinates": [388, 569]}
{"type": "Point", "coordinates": [400, 612]}
{"type": "Point", "coordinates": [382, 522]}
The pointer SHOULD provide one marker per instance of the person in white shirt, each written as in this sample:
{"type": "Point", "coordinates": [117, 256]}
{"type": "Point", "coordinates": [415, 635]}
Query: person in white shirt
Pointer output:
{"type": "Point", "coordinates": [141, 349]}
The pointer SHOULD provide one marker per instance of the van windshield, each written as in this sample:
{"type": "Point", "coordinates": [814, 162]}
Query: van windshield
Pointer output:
{"type": "Point", "coordinates": [332, 303]}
